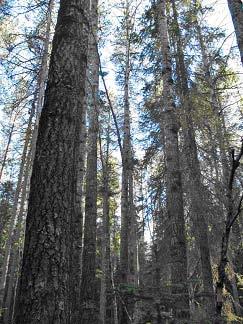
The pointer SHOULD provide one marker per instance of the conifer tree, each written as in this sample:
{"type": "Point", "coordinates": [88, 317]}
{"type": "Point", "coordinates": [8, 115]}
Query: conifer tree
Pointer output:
{"type": "Point", "coordinates": [47, 291]}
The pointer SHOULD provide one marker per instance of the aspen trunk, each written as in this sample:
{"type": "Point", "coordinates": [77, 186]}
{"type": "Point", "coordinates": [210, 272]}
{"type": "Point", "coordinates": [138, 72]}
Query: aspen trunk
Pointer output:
{"type": "Point", "coordinates": [173, 180]}
{"type": "Point", "coordinates": [48, 289]}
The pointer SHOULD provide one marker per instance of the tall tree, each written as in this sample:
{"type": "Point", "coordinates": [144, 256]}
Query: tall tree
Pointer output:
{"type": "Point", "coordinates": [89, 307]}
{"type": "Point", "coordinates": [47, 290]}
{"type": "Point", "coordinates": [105, 287]}
{"type": "Point", "coordinates": [175, 209]}
{"type": "Point", "coordinates": [195, 187]}
{"type": "Point", "coordinates": [127, 246]}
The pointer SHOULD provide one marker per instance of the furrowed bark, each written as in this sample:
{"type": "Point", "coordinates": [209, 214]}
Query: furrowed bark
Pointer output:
{"type": "Point", "coordinates": [49, 284]}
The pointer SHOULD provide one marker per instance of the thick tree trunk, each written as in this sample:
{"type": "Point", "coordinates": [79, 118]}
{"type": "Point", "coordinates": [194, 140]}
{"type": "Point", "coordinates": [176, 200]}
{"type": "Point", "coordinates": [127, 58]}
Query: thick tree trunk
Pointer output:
{"type": "Point", "coordinates": [236, 10]}
{"type": "Point", "coordinates": [38, 102]}
{"type": "Point", "coordinates": [195, 187]}
{"type": "Point", "coordinates": [89, 307]}
{"type": "Point", "coordinates": [173, 179]}
{"type": "Point", "coordinates": [49, 284]}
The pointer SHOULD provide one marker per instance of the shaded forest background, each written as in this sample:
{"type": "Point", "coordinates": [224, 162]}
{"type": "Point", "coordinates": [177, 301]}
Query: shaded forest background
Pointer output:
{"type": "Point", "coordinates": [121, 182]}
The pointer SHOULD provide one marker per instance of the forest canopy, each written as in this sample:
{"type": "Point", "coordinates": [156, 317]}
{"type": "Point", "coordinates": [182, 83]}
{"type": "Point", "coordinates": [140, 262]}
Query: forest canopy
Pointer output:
{"type": "Point", "coordinates": [121, 144]}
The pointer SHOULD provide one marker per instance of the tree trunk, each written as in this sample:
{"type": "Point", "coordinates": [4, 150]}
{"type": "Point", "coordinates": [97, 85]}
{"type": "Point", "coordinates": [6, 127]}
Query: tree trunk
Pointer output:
{"type": "Point", "coordinates": [89, 307]}
{"type": "Point", "coordinates": [106, 307]}
{"type": "Point", "coordinates": [42, 75]}
{"type": "Point", "coordinates": [173, 179]}
{"type": "Point", "coordinates": [195, 186]}
{"type": "Point", "coordinates": [15, 249]}
{"type": "Point", "coordinates": [127, 274]}
{"type": "Point", "coordinates": [13, 218]}
{"type": "Point", "coordinates": [232, 216]}
{"type": "Point", "coordinates": [4, 160]}
{"type": "Point", "coordinates": [105, 263]}
{"type": "Point", "coordinates": [49, 289]}
{"type": "Point", "coordinates": [236, 10]}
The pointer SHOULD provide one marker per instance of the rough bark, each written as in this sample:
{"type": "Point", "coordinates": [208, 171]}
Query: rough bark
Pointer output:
{"type": "Point", "coordinates": [173, 179]}
{"type": "Point", "coordinates": [236, 10]}
{"type": "Point", "coordinates": [49, 283]}
{"type": "Point", "coordinates": [89, 307]}
{"type": "Point", "coordinates": [195, 186]}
